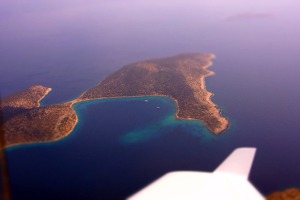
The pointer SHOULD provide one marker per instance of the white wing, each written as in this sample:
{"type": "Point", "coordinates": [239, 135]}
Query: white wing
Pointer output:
{"type": "Point", "coordinates": [228, 181]}
{"type": "Point", "coordinates": [239, 162]}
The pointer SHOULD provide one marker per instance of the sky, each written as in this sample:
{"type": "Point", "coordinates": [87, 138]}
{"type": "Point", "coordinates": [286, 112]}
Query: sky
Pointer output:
{"type": "Point", "coordinates": [35, 33]}
{"type": "Point", "coordinates": [30, 19]}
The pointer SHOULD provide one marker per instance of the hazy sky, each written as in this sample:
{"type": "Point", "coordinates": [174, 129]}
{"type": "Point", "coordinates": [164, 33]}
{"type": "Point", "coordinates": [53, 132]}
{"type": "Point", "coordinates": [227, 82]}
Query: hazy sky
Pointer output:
{"type": "Point", "coordinates": [32, 18]}
{"type": "Point", "coordinates": [53, 19]}
{"type": "Point", "coordinates": [114, 32]}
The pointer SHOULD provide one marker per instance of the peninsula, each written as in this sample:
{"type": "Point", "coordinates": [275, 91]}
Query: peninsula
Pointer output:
{"type": "Point", "coordinates": [181, 78]}
{"type": "Point", "coordinates": [26, 122]}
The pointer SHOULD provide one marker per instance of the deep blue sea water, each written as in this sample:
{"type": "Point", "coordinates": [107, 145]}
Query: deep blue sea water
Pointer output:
{"type": "Point", "coordinates": [121, 145]}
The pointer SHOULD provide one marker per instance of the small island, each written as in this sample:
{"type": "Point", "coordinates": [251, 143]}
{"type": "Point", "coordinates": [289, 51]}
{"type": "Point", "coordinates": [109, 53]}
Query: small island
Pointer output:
{"type": "Point", "coordinates": [181, 78]}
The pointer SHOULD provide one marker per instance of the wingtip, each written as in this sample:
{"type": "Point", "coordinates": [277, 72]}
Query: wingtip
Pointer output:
{"type": "Point", "coordinates": [245, 150]}
{"type": "Point", "coordinates": [239, 162]}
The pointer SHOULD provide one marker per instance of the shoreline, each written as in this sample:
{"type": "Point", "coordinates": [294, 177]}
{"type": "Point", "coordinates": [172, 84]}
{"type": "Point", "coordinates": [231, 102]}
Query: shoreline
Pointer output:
{"type": "Point", "coordinates": [210, 94]}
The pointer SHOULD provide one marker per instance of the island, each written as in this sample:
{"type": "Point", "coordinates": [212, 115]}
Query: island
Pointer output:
{"type": "Point", "coordinates": [180, 77]}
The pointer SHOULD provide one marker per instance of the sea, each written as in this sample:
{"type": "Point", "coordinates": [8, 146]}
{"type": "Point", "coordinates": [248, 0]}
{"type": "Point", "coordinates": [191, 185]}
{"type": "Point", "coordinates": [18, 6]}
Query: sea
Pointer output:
{"type": "Point", "coordinates": [121, 145]}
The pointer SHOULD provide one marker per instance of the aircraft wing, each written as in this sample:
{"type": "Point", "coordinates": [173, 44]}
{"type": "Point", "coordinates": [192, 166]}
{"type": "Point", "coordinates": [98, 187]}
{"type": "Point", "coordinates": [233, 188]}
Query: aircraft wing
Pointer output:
{"type": "Point", "coordinates": [228, 181]}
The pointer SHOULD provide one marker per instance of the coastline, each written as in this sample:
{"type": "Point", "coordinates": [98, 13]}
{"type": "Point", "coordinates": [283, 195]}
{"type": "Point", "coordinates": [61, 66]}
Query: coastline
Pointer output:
{"type": "Point", "coordinates": [210, 94]}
